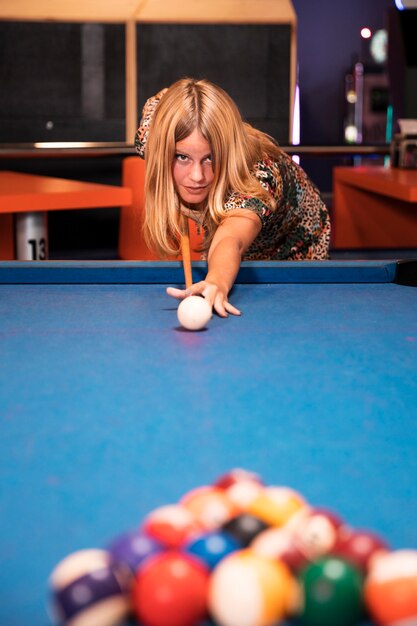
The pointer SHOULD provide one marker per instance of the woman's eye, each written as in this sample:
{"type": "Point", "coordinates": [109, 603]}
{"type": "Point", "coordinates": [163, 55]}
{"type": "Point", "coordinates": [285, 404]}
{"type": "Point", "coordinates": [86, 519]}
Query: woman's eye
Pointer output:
{"type": "Point", "coordinates": [209, 159]}
{"type": "Point", "coordinates": [181, 157]}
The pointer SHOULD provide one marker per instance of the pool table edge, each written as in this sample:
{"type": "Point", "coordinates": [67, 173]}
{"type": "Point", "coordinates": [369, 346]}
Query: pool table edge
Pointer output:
{"type": "Point", "coordinates": [171, 272]}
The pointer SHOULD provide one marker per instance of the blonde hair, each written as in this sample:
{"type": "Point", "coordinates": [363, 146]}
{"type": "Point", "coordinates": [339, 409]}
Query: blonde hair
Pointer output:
{"type": "Point", "coordinates": [235, 148]}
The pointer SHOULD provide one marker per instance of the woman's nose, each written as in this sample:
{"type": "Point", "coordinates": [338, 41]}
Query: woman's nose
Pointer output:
{"type": "Point", "coordinates": [197, 172]}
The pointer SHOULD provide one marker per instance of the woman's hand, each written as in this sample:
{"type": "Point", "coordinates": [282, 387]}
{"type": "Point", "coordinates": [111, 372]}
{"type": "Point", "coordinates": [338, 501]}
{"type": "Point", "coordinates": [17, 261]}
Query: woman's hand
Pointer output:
{"type": "Point", "coordinates": [214, 295]}
{"type": "Point", "coordinates": [231, 239]}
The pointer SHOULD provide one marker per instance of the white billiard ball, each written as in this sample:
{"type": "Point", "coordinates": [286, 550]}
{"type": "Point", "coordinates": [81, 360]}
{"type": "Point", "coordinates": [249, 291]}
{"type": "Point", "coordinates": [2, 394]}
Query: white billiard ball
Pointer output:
{"type": "Point", "coordinates": [194, 312]}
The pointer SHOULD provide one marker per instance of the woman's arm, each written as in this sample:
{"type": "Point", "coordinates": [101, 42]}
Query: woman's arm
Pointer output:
{"type": "Point", "coordinates": [232, 238]}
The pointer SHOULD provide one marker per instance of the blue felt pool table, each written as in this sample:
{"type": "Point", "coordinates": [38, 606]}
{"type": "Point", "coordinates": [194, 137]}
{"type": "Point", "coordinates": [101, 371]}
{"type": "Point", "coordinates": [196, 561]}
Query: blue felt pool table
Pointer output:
{"type": "Point", "coordinates": [109, 409]}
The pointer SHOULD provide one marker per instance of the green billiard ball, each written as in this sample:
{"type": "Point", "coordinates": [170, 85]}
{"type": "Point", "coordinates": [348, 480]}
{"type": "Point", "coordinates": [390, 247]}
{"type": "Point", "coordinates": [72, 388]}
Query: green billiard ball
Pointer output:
{"type": "Point", "coordinates": [331, 593]}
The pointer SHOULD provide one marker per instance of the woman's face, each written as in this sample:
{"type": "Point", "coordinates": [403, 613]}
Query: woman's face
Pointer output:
{"type": "Point", "coordinates": [192, 168]}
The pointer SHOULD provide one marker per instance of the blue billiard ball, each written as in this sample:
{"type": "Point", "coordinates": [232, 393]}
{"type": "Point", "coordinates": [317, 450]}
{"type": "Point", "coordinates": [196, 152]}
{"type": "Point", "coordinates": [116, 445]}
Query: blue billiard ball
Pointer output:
{"type": "Point", "coordinates": [212, 547]}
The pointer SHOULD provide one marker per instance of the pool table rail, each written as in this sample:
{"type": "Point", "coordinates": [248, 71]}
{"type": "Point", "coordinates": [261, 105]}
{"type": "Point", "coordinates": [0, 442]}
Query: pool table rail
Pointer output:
{"type": "Point", "coordinates": [171, 272]}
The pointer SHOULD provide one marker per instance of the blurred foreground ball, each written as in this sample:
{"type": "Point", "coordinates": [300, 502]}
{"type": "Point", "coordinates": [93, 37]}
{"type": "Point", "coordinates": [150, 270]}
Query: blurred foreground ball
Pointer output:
{"type": "Point", "coordinates": [89, 590]}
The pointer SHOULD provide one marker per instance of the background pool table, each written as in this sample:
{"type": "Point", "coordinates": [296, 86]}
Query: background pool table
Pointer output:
{"type": "Point", "coordinates": [109, 409]}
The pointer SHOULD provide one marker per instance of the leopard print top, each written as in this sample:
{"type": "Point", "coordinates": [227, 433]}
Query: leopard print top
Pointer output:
{"type": "Point", "coordinates": [298, 228]}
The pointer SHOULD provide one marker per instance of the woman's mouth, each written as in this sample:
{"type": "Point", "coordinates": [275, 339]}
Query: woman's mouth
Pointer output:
{"type": "Point", "coordinates": [195, 189]}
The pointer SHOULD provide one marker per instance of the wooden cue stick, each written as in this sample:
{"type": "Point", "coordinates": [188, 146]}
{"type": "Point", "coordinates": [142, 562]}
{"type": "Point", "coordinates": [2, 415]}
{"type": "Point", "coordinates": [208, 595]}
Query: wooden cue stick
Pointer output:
{"type": "Point", "coordinates": [185, 251]}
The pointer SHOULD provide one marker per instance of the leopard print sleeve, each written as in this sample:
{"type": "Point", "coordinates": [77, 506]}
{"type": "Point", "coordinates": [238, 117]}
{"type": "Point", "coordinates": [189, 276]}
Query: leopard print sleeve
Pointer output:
{"type": "Point", "coordinates": [270, 179]}
{"type": "Point", "coordinates": [147, 116]}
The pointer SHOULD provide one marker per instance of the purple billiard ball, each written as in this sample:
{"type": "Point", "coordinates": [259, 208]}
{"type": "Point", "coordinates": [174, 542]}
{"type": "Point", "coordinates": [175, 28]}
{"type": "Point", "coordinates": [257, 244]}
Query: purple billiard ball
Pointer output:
{"type": "Point", "coordinates": [132, 548]}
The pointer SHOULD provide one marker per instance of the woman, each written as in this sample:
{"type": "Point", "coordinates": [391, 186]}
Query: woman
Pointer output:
{"type": "Point", "coordinates": [250, 198]}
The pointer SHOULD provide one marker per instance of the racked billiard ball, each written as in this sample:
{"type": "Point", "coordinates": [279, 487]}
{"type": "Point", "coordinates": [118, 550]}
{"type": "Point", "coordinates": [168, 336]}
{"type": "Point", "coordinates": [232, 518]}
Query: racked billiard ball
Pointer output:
{"type": "Point", "coordinates": [171, 525]}
{"type": "Point", "coordinates": [211, 547]}
{"type": "Point", "coordinates": [131, 548]}
{"type": "Point", "coordinates": [170, 589]}
{"type": "Point", "coordinates": [88, 588]}
{"type": "Point", "coordinates": [244, 528]}
{"type": "Point", "coordinates": [248, 589]}
{"type": "Point", "coordinates": [331, 592]}
{"type": "Point", "coordinates": [360, 547]}
{"type": "Point", "coordinates": [209, 505]}
{"type": "Point", "coordinates": [391, 588]}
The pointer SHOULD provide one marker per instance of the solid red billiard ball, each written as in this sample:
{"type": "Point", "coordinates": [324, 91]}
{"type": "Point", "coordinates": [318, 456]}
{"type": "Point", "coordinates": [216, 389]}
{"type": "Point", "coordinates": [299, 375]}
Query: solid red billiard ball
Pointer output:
{"type": "Point", "coordinates": [171, 589]}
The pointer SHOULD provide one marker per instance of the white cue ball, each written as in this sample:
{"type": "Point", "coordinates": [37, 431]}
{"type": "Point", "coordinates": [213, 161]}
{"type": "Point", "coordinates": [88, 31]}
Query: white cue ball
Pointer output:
{"type": "Point", "coordinates": [194, 312]}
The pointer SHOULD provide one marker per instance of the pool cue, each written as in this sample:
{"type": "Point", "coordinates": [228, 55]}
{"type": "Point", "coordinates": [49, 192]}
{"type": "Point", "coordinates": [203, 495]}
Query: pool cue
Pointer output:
{"type": "Point", "coordinates": [185, 251]}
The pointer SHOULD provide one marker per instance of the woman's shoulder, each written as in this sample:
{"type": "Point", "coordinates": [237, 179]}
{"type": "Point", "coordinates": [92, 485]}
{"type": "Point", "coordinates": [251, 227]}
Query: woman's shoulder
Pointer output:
{"type": "Point", "coordinates": [146, 120]}
{"type": "Point", "coordinates": [268, 171]}
{"type": "Point", "coordinates": [276, 164]}
{"type": "Point", "coordinates": [285, 172]}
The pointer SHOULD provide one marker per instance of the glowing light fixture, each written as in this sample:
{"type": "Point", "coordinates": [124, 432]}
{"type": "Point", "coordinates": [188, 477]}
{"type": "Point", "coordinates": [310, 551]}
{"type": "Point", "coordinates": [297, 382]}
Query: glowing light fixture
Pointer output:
{"type": "Point", "coordinates": [296, 123]}
{"type": "Point", "coordinates": [366, 33]}
{"type": "Point", "coordinates": [405, 4]}
{"type": "Point", "coordinates": [296, 118]}
{"type": "Point", "coordinates": [351, 134]}
{"type": "Point", "coordinates": [351, 96]}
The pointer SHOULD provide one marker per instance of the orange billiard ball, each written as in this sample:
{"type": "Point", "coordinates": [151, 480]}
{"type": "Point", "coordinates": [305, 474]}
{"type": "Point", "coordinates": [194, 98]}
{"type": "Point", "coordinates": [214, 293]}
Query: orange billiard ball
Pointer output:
{"type": "Point", "coordinates": [209, 505]}
{"type": "Point", "coordinates": [391, 588]}
{"type": "Point", "coordinates": [276, 505]}
{"type": "Point", "coordinates": [246, 588]}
